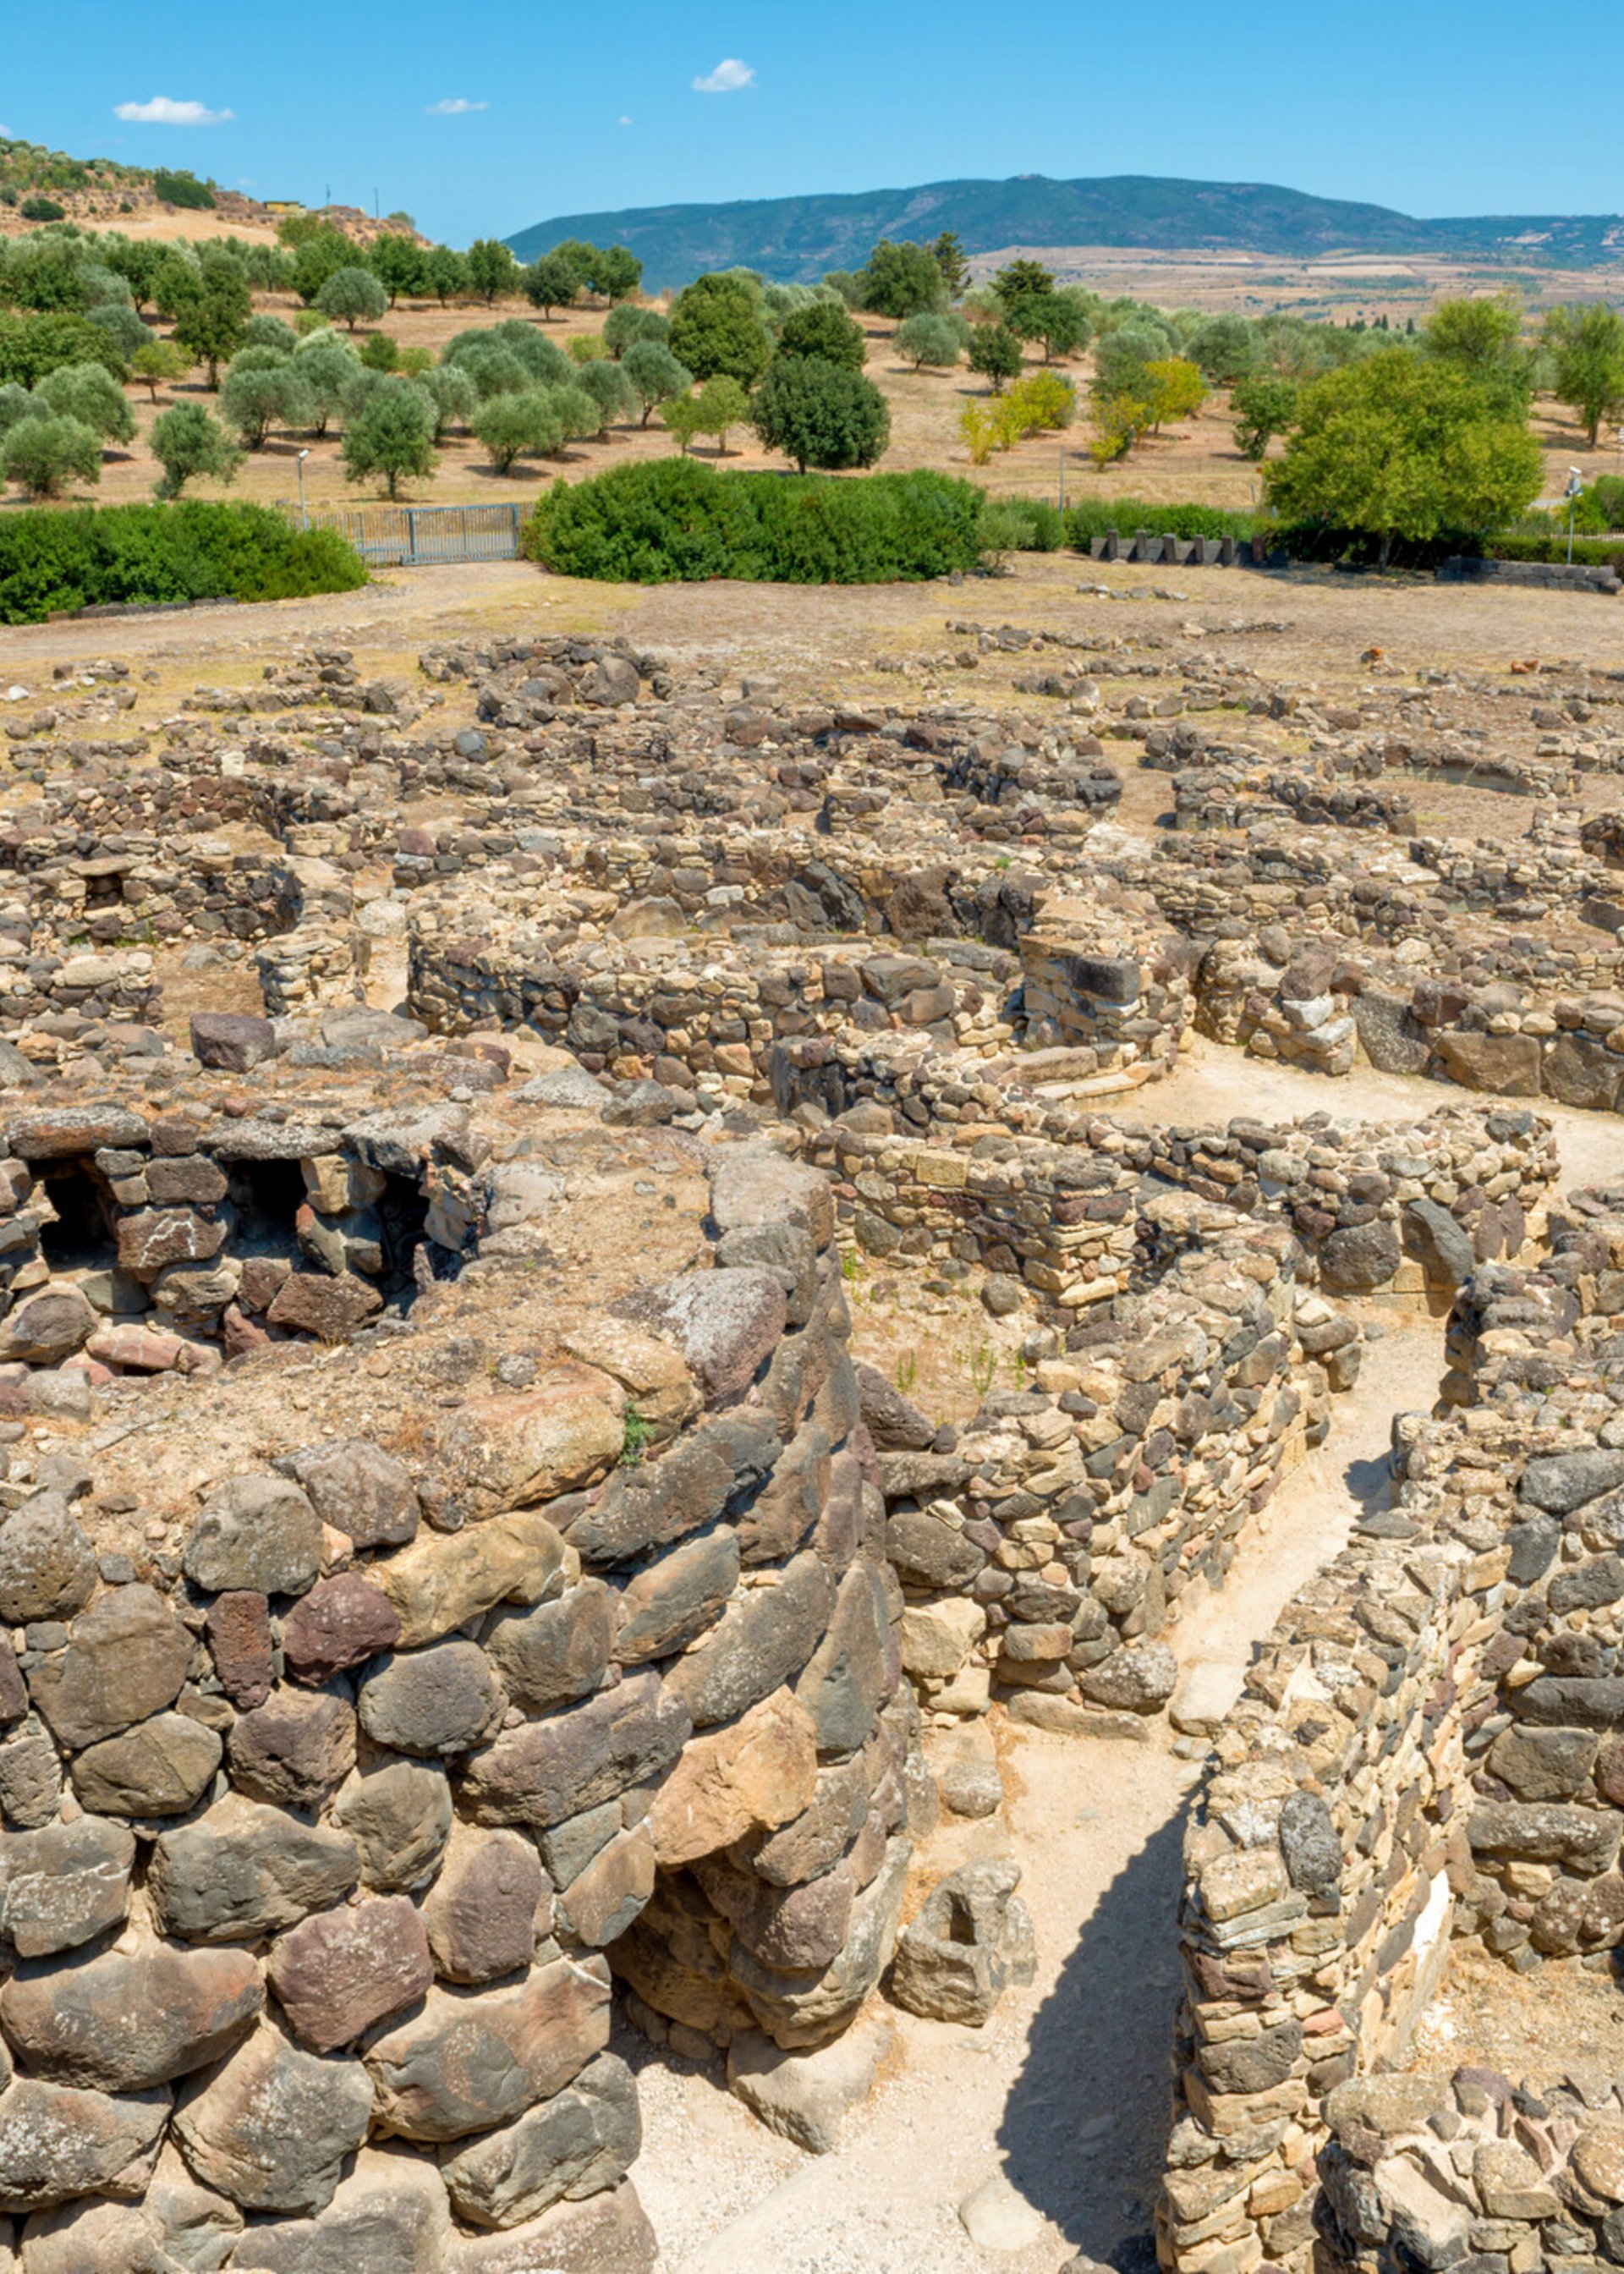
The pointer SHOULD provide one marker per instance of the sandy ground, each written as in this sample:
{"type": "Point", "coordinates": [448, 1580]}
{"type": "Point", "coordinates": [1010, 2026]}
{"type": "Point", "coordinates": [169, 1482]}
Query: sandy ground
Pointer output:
{"type": "Point", "coordinates": [1326, 622]}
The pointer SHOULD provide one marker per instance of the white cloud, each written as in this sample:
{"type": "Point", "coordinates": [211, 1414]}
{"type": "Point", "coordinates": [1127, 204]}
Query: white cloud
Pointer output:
{"type": "Point", "coordinates": [453, 106]}
{"type": "Point", "coordinates": [625, 122]}
{"type": "Point", "coordinates": [728, 78]}
{"type": "Point", "coordinates": [163, 111]}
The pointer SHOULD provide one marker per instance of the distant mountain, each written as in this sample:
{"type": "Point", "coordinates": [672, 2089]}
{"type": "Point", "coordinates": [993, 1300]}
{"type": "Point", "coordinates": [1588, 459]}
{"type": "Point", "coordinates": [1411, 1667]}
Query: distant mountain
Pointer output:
{"type": "Point", "coordinates": [796, 239]}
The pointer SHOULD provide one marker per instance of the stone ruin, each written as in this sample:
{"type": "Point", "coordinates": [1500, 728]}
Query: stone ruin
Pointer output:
{"type": "Point", "coordinates": [461, 1582]}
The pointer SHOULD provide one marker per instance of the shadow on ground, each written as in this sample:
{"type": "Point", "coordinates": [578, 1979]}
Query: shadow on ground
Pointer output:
{"type": "Point", "coordinates": [1084, 2132]}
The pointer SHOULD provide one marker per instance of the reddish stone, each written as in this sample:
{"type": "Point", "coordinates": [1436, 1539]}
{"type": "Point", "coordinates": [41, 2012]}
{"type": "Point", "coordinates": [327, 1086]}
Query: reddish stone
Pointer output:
{"type": "Point", "coordinates": [328, 1308]}
{"type": "Point", "coordinates": [341, 1623]}
{"type": "Point", "coordinates": [262, 1279]}
{"type": "Point", "coordinates": [136, 1347]}
{"type": "Point", "coordinates": [239, 1642]}
{"type": "Point", "coordinates": [342, 1971]}
{"type": "Point", "coordinates": [241, 1334]}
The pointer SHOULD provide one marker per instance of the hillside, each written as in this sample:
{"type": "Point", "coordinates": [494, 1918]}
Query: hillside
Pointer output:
{"type": "Point", "coordinates": [797, 239]}
{"type": "Point", "coordinates": [143, 200]}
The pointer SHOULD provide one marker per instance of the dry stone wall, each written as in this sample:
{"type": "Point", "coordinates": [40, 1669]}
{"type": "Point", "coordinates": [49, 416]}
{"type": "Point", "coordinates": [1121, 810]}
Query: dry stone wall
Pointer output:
{"type": "Point", "coordinates": [1424, 1750]}
{"type": "Point", "coordinates": [336, 1803]}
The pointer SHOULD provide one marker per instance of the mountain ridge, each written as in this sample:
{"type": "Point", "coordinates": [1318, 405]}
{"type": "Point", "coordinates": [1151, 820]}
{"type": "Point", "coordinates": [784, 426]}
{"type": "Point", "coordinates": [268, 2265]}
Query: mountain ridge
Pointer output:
{"type": "Point", "coordinates": [796, 239]}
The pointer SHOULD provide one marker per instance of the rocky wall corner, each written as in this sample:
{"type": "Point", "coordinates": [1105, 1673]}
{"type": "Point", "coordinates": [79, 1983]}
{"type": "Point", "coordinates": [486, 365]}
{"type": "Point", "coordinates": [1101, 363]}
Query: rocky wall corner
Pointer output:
{"type": "Point", "coordinates": [332, 1822]}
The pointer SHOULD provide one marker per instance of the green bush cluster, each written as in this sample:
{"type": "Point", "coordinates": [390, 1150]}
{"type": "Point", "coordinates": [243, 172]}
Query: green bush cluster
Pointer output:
{"type": "Point", "coordinates": [1589, 553]}
{"type": "Point", "coordinates": [1019, 525]}
{"type": "Point", "coordinates": [676, 521]}
{"type": "Point", "coordinates": [176, 187]}
{"type": "Point", "coordinates": [94, 556]}
{"type": "Point", "coordinates": [1092, 517]}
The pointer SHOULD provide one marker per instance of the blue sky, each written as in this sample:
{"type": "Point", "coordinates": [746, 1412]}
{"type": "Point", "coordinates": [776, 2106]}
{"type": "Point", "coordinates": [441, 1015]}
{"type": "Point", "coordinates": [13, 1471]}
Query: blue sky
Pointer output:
{"type": "Point", "coordinates": [1435, 107]}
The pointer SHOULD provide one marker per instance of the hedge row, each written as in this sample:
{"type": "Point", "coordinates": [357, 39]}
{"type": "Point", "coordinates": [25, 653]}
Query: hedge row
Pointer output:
{"type": "Point", "coordinates": [1590, 552]}
{"type": "Point", "coordinates": [100, 555]}
{"type": "Point", "coordinates": [675, 521]}
{"type": "Point", "coordinates": [1092, 517]}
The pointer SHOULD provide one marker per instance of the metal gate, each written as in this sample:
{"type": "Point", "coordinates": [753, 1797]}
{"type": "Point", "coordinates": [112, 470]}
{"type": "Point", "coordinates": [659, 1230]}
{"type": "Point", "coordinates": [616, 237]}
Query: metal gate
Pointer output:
{"type": "Point", "coordinates": [418, 535]}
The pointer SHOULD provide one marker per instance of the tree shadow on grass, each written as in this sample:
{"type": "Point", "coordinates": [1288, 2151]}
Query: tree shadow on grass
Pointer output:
{"type": "Point", "coordinates": [1084, 2132]}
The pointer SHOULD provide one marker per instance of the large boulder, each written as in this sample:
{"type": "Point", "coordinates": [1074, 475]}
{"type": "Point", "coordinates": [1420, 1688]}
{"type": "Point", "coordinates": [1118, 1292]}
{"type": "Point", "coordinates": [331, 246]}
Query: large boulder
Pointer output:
{"type": "Point", "coordinates": [127, 1657]}
{"type": "Point", "coordinates": [59, 2141]}
{"type": "Point", "coordinates": [124, 2024]}
{"type": "Point", "coordinates": [583, 2139]}
{"type": "Point", "coordinates": [487, 1908]}
{"type": "Point", "coordinates": [338, 1974]}
{"type": "Point", "coordinates": [272, 2126]}
{"type": "Point", "coordinates": [428, 1702]}
{"type": "Point", "coordinates": [244, 1869]}
{"type": "Point", "coordinates": [399, 1815]}
{"type": "Point", "coordinates": [63, 1884]}
{"type": "Point", "coordinates": [543, 1771]}
{"type": "Point", "coordinates": [257, 1532]}
{"type": "Point", "coordinates": [390, 2215]}
{"type": "Point", "coordinates": [473, 2059]}
{"type": "Point", "coordinates": [47, 1567]}
{"type": "Point", "coordinates": [47, 1325]}
{"type": "Point", "coordinates": [160, 1767]}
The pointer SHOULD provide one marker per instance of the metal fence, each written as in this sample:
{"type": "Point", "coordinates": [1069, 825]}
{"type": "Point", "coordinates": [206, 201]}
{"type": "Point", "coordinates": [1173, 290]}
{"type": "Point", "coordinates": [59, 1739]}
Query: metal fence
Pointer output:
{"type": "Point", "coordinates": [416, 536]}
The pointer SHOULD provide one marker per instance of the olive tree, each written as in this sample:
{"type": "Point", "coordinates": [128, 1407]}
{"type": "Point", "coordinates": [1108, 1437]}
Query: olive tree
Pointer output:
{"type": "Point", "coordinates": [927, 339]}
{"type": "Point", "coordinates": [352, 296]}
{"type": "Point", "coordinates": [252, 402]}
{"type": "Point", "coordinates": [625, 325]}
{"type": "Point", "coordinates": [187, 441]}
{"type": "Point", "coordinates": [610, 388]}
{"type": "Point", "coordinates": [328, 367]}
{"type": "Point", "coordinates": [453, 395]}
{"type": "Point", "coordinates": [390, 432]}
{"type": "Point", "coordinates": [510, 427]}
{"type": "Point", "coordinates": [656, 375]}
{"type": "Point", "coordinates": [46, 454]}
{"type": "Point", "coordinates": [90, 393]}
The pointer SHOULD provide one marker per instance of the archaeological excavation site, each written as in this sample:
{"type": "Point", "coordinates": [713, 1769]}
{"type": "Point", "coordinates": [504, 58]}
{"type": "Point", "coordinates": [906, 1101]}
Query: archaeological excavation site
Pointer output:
{"type": "Point", "coordinates": [812, 1434]}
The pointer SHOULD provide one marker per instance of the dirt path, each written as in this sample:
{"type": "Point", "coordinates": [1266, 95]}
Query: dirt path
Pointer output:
{"type": "Point", "coordinates": [1066, 2091]}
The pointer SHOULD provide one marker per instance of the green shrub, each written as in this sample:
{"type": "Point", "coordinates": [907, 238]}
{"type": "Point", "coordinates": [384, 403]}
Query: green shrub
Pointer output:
{"type": "Point", "coordinates": [47, 455]}
{"type": "Point", "coordinates": [820, 414]}
{"type": "Point", "coordinates": [181, 189]}
{"type": "Point", "coordinates": [1587, 552]}
{"type": "Point", "coordinates": [1092, 517]}
{"type": "Point", "coordinates": [1018, 525]}
{"type": "Point", "coordinates": [42, 209]}
{"type": "Point", "coordinates": [95, 556]}
{"type": "Point", "coordinates": [676, 520]}
{"type": "Point", "coordinates": [32, 345]}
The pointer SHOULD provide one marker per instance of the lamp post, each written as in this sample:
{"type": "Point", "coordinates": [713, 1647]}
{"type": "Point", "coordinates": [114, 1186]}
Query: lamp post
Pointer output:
{"type": "Point", "coordinates": [1574, 485]}
{"type": "Point", "coordinates": [303, 516]}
